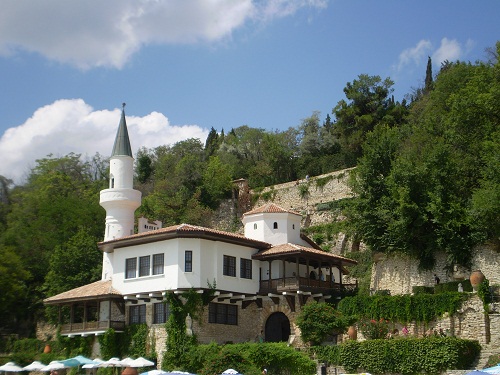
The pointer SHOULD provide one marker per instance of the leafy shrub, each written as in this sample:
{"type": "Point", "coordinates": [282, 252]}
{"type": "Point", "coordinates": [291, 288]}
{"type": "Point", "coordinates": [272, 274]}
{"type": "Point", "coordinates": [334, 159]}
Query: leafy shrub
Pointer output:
{"type": "Point", "coordinates": [319, 238]}
{"type": "Point", "coordinates": [248, 358]}
{"type": "Point", "coordinates": [303, 190]}
{"type": "Point", "coordinates": [403, 355]}
{"type": "Point", "coordinates": [374, 329]}
{"type": "Point", "coordinates": [484, 293]}
{"type": "Point", "coordinates": [317, 320]}
{"type": "Point", "coordinates": [326, 353]}
{"type": "Point", "coordinates": [323, 207]}
{"type": "Point", "coordinates": [421, 289]}
{"type": "Point", "coordinates": [322, 181]}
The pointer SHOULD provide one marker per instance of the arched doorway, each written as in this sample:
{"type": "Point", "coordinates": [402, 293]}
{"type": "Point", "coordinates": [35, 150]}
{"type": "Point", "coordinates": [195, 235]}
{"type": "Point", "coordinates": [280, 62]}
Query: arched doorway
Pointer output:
{"type": "Point", "coordinates": [277, 327]}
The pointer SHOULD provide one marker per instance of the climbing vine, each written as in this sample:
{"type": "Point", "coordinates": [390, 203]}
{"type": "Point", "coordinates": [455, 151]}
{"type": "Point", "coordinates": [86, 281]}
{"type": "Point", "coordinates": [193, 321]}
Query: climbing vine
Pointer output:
{"type": "Point", "coordinates": [421, 308]}
{"type": "Point", "coordinates": [484, 293]}
{"type": "Point", "coordinates": [189, 303]}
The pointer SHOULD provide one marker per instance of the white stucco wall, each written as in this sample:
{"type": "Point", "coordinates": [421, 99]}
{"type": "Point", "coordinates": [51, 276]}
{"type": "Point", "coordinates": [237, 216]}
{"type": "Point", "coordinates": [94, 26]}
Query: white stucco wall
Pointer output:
{"type": "Point", "coordinates": [121, 169]}
{"type": "Point", "coordinates": [207, 267]}
{"type": "Point", "coordinates": [261, 227]}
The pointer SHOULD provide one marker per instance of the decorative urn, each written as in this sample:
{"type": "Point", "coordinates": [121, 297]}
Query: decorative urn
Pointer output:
{"type": "Point", "coordinates": [476, 278]}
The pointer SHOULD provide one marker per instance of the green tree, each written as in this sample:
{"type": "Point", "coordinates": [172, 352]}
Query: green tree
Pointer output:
{"type": "Point", "coordinates": [5, 185]}
{"type": "Point", "coordinates": [59, 197]}
{"type": "Point", "coordinates": [178, 177]}
{"type": "Point", "coordinates": [79, 254]}
{"type": "Point", "coordinates": [368, 104]}
{"type": "Point", "coordinates": [317, 320]}
{"type": "Point", "coordinates": [428, 77]}
{"type": "Point", "coordinates": [217, 181]}
{"type": "Point", "coordinates": [144, 166]}
{"type": "Point", "coordinates": [14, 280]}
{"type": "Point", "coordinates": [424, 192]}
{"type": "Point", "coordinates": [212, 143]}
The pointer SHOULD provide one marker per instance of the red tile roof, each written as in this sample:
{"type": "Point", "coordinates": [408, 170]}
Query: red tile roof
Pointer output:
{"type": "Point", "coordinates": [98, 290]}
{"type": "Point", "coordinates": [183, 230]}
{"type": "Point", "coordinates": [289, 249]}
{"type": "Point", "coordinates": [270, 208]}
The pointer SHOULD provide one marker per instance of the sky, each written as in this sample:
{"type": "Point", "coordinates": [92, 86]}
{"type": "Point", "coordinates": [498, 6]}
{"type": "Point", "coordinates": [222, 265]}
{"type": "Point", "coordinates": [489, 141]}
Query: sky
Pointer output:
{"type": "Point", "coordinates": [185, 66]}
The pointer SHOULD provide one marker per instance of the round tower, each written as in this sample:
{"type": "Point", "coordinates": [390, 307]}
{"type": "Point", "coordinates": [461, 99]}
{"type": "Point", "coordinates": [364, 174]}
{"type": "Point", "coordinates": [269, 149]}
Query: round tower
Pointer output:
{"type": "Point", "coordinates": [120, 200]}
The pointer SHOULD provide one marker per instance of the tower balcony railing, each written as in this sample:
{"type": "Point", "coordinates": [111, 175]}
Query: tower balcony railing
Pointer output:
{"type": "Point", "coordinates": [304, 284]}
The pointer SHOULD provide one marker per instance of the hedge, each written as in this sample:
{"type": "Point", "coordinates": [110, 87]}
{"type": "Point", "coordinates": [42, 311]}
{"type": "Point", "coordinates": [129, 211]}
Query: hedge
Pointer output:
{"type": "Point", "coordinates": [401, 356]}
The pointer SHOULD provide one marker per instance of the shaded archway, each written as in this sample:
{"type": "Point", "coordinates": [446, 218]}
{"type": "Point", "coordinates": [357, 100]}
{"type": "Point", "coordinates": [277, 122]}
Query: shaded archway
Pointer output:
{"type": "Point", "coordinates": [277, 327]}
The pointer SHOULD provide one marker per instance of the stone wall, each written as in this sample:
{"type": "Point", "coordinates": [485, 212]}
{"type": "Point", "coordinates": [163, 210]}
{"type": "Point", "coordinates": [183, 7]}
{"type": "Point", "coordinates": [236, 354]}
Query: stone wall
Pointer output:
{"type": "Point", "coordinates": [400, 273]}
{"type": "Point", "coordinates": [251, 321]}
{"type": "Point", "coordinates": [320, 189]}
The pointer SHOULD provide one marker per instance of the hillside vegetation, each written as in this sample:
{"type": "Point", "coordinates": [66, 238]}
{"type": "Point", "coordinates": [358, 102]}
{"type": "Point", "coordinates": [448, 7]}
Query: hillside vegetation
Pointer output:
{"type": "Point", "coordinates": [427, 180]}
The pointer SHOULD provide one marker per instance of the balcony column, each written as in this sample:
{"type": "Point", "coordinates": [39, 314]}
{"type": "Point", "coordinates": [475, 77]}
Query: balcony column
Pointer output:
{"type": "Point", "coordinates": [84, 314]}
{"type": "Point", "coordinates": [297, 262]}
{"type": "Point", "coordinates": [71, 316]}
{"type": "Point", "coordinates": [284, 272]}
{"type": "Point", "coordinates": [109, 313]}
{"type": "Point", "coordinates": [307, 274]}
{"type": "Point", "coordinates": [270, 275]}
{"type": "Point", "coordinates": [340, 274]}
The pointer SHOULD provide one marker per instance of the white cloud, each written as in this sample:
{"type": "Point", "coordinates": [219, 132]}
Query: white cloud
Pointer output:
{"type": "Point", "coordinates": [71, 125]}
{"type": "Point", "coordinates": [107, 33]}
{"type": "Point", "coordinates": [414, 55]}
{"type": "Point", "coordinates": [450, 50]}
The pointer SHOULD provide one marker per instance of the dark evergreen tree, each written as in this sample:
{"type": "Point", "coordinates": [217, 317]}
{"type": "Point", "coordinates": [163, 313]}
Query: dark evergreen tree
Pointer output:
{"type": "Point", "coordinates": [428, 77]}
{"type": "Point", "coordinates": [212, 143]}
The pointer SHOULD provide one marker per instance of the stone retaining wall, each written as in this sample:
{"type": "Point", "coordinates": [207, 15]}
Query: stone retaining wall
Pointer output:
{"type": "Point", "coordinates": [400, 273]}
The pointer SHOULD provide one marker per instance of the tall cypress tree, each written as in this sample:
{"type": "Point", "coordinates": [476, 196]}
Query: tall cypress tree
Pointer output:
{"type": "Point", "coordinates": [428, 76]}
{"type": "Point", "coordinates": [212, 143]}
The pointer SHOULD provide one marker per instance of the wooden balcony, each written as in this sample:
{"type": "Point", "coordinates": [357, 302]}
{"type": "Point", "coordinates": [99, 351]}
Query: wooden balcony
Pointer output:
{"type": "Point", "coordinates": [304, 284]}
{"type": "Point", "coordinates": [91, 327]}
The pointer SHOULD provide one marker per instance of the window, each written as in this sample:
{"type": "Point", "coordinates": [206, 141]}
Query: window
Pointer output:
{"type": "Point", "coordinates": [221, 313]}
{"type": "Point", "coordinates": [255, 226]}
{"type": "Point", "coordinates": [229, 268]}
{"type": "Point", "coordinates": [246, 268]}
{"type": "Point", "coordinates": [161, 312]}
{"type": "Point", "coordinates": [275, 225]}
{"type": "Point", "coordinates": [158, 263]}
{"type": "Point", "coordinates": [93, 312]}
{"type": "Point", "coordinates": [137, 314]}
{"type": "Point", "coordinates": [144, 264]}
{"type": "Point", "coordinates": [130, 268]}
{"type": "Point", "coordinates": [188, 261]}
{"type": "Point", "coordinates": [112, 182]}
{"type": "Point", "coordinates": [293, 226]}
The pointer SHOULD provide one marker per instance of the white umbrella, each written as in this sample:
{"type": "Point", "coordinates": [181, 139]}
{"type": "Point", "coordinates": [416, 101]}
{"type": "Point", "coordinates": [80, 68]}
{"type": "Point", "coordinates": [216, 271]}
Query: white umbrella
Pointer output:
{"type": "Point", "coordinates": [95, 363]}
{"type": "Point", "coordinates": [54, 365]}
{"type": "Point", "coordinates": [231, 371]}
{"type": "Point", "coordinates": [141, 362]}
{"type": "Point", "coordinates": [155, 372]}
{"type": "Point", "coordinates": [34, 366]}
{"type": "Point", "coordinates": [126, 361]}
{"type": "Point", "coordinates": [10, 367]}
{"type": "Point", "coordinates": [112, 362]}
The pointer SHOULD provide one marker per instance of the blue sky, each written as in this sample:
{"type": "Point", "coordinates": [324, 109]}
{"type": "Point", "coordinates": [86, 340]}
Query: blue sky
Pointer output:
{"type": "Point", "coordinates": [184, 66]}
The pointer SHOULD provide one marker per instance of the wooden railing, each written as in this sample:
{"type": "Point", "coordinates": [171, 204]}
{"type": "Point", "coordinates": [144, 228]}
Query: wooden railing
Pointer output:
{"type": "Point", "coordinates": [92, 326]}
{"type": "Point", "coordinates": [291, 284]}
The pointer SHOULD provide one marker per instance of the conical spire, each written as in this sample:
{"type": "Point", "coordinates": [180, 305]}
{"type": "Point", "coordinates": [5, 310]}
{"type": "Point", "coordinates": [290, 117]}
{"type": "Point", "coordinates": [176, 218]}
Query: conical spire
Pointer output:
{"type": "Point", "coordinates": [122, 142]}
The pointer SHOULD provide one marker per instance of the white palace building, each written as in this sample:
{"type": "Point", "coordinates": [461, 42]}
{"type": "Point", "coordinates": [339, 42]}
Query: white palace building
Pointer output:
{"type": "Point", "coordinates": [261, 278]}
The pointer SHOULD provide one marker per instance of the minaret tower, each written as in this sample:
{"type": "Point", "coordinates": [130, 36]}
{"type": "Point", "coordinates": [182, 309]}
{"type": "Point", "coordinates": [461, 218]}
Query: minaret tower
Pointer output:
{"type": "Point", "coordinates": [120, 201]}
